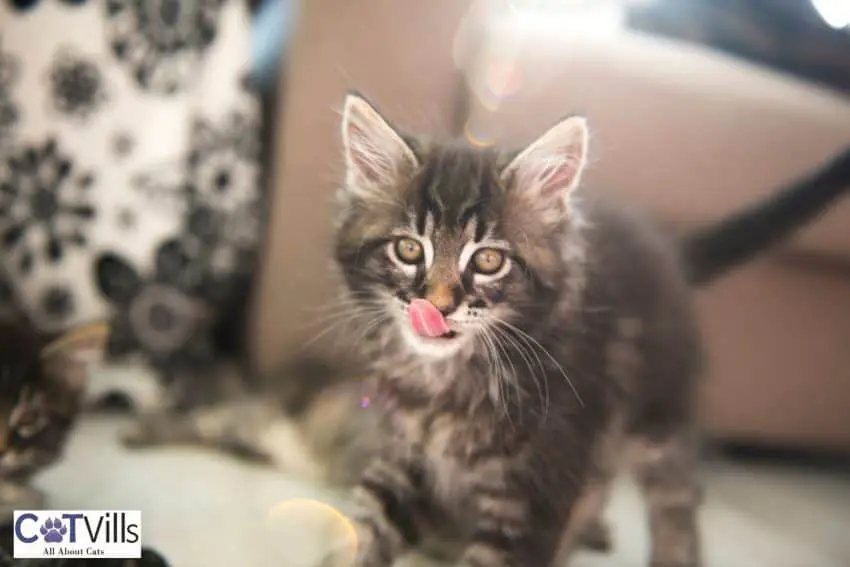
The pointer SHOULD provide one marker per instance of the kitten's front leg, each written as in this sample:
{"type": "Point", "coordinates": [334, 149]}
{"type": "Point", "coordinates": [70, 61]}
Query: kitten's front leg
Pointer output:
{"type": "Point", "coordinates": [389, 497]}
{"type": "Point", "coordinates": [511, 529]}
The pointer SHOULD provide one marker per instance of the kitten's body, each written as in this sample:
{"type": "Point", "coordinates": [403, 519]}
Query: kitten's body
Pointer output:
{"type": "Point", "coordinates": [512, 447]}
{"type": "Point", "coordinates": [525, 338]}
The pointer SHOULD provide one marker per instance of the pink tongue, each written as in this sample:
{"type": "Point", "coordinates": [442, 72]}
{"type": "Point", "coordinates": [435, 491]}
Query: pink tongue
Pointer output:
{"type": "Point", "coordinates": [426, 319]}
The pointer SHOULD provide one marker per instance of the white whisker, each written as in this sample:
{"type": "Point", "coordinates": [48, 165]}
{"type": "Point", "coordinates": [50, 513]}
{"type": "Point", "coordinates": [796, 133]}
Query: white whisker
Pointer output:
{"type": "Point", "coordinates": [497, 377]}
{"type": "Point", "coordinates": [534, 342]}
{"type": "Point", "coordinates": [543, 393]}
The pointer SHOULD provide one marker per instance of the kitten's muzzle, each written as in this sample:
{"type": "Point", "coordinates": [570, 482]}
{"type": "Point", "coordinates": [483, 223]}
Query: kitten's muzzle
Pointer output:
{"type": "Point", "coordinates": [427, 320]}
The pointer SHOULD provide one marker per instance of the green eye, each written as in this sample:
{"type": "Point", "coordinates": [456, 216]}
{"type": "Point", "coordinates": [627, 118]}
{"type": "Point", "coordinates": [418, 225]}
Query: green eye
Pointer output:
{"type": "Point", "coordinates": [488, 261]}
{"type": "Point", "coordinates": [409, 250]}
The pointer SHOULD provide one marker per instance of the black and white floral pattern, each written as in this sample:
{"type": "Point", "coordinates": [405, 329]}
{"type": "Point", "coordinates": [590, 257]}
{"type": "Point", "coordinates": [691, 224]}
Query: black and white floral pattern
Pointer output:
{"type": "Point", "coordinates": [162, 41]}
{"type": "Point", "coordinates": [217, 185]}
{"type": "Point", "coordinates": [223, 163]}
{"type": "Point", "coordinates": [129, 171]}
{"type": "Point", "coordinates": [44, 204]}
{"type": "Point", "coordinates": [76, 86]}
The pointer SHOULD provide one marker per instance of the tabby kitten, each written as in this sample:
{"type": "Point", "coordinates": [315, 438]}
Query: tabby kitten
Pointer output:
{"type": "Point", "coordinates": [41, 388]}
{"type": "Point", "coordinates": [526, 339]}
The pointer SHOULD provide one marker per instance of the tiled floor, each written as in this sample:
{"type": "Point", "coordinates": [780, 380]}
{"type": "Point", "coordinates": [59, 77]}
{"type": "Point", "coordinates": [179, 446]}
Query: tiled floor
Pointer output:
{"type": "Point", "coordinates": [202, 509]}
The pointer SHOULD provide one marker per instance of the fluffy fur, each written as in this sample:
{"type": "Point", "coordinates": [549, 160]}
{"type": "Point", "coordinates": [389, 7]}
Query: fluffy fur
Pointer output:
{"type": "Point", "coordinates": [506, 434]}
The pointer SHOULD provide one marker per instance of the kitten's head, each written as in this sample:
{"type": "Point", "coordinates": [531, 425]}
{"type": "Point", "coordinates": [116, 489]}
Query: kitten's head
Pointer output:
{"type": "Point", "coordinates": [41, 388]}
{"type": "Point", "coordinates": [454, 245]}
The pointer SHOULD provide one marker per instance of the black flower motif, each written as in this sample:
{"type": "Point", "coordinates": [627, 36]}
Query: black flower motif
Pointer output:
{"type": "Point", "coordinates": [161, 41]}
{"type": "Point", "coordinates": [9, 113]}
{"type": "Point", "coordinates": [160, 315]}
{"type": "Point", "coordinates": [42, 198]}
{"type": "Point", "coordinates": [76, 85]}
{"type": "Point", "coordinates": [217, 244]}
{"type": "Point", "coordinates": [223, 163]}
{"type": "Point", "coordinates": [219, 189]}
{"type": "Point", "coordinates": [57, 304]}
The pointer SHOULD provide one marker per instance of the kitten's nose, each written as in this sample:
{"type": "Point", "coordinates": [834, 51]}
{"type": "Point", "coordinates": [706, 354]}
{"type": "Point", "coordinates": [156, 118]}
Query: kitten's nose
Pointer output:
{"type": "Point", "coordinates": [443, 296]}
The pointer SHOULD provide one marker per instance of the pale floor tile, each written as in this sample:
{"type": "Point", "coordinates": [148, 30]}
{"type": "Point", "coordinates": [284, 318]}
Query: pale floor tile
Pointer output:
{"type": "Point", "coordinates": [202, 509]}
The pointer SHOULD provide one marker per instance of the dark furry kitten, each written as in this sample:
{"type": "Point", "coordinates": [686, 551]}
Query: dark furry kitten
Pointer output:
{"type": "Point", "coordinates": [527, 338]}
{"type": "Point", "coordinates": [528, 342]}
{"type": "Point", "coordinates": [41, 388]}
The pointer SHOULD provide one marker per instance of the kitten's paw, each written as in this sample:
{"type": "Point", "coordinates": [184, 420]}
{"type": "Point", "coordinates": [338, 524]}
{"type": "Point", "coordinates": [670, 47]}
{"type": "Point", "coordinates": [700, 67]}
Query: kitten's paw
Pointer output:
{"type": "Point", "coordinates": [597, 537]}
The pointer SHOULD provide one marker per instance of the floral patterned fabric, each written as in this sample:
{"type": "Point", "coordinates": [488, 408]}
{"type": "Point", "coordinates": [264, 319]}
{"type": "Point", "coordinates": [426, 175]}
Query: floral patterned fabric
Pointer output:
{"type": "Point", "coordinates": [129, 168]}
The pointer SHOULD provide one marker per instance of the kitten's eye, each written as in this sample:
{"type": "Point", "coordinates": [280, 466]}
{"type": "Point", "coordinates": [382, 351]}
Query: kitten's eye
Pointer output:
{"type": "Point", "coordinates": [488, 261]}
{"type": "Point", "coordinates": [409, 250]}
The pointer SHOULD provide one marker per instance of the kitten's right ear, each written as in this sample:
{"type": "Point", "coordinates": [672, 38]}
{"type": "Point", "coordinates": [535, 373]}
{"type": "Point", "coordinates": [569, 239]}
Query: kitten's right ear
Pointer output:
{"type": "Point", "coordinates": [375, 154]}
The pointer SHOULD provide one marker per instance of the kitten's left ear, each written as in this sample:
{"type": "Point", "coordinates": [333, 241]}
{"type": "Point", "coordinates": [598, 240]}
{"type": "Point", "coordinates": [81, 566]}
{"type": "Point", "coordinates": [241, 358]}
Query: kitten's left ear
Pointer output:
{"type": "Point", "coordinates": [68, 357]}
{"type": "Point", "coordinates": [375, 154]}
{"type": "Point", "coordinates": [550, 168]}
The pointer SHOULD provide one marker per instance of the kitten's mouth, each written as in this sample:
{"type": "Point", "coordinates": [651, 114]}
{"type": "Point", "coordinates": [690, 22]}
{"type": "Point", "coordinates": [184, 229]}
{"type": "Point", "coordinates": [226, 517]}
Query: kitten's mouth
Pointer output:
{"type": "Point", "coordinates": [428, 322]}
{"type": "Point", "coordinates": [446, 336]}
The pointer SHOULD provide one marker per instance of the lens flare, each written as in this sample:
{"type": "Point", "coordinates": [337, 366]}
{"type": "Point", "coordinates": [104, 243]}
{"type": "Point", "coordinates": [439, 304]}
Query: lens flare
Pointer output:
{"type": "Point", "coordinates": [310, 533]}
{"type": "Point", "coordinates": [477, 139]}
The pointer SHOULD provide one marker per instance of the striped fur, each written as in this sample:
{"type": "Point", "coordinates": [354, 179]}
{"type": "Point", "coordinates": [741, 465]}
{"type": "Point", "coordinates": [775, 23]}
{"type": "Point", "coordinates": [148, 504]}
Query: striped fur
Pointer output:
{"type": "Point", "coordinates": [504, 438]}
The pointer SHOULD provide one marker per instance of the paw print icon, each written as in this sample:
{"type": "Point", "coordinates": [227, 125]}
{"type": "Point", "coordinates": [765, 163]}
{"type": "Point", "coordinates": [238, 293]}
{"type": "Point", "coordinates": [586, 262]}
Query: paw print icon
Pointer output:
{"type": "Point", "coordinates": [53, 530]}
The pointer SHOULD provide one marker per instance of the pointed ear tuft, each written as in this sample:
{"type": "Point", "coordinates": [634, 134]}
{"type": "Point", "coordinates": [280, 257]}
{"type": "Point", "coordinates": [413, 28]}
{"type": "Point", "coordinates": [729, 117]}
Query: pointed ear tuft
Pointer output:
{"type": "Point", "coordinates": [375, 154]}
{"type": "Point", "coordinates": [550, 168]}
{"type": "Point", "coordinates": [67, 358]}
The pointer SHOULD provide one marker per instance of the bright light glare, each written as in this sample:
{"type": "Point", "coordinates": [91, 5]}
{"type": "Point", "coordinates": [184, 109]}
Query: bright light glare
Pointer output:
{"type": "Point", "coordinates": [836, 13]}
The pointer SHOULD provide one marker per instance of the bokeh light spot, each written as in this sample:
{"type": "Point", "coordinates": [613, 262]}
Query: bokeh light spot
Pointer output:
{"type": "Point", "coordinates": [310, 533]}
